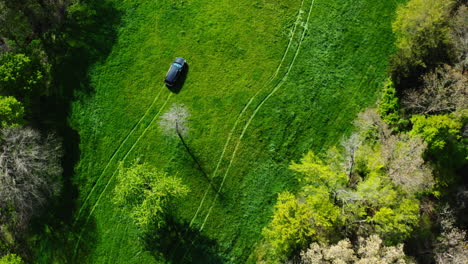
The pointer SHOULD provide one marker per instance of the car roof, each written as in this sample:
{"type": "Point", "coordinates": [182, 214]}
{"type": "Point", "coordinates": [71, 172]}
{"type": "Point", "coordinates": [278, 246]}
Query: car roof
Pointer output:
{"type": "Point", "coordinates": [171, 74]}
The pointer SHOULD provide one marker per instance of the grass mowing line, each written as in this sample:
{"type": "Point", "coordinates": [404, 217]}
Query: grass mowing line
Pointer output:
{"type": "Point", "coordinates": [113, 156]}
{"type": "Point", "coordinates": [115, 171]}
{"type": "Point", "coordinates": [298, 20]}
{"type": "Point", "coordinates": [283, 80]}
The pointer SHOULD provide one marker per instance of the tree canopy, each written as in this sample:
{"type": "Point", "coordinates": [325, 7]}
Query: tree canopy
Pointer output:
{"type": "Point", "coordinates": [146, 193]}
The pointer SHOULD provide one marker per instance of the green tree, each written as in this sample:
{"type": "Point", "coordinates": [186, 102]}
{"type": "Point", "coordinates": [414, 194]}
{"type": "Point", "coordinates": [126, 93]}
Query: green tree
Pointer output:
{"type": "Point", "coordinates": [421, 26]}
{"type": "Point", "coordinates": [290, 226]}
{"type": "Point", "coordinates": [147, 193]}
{"type": "Point", "coordinates": [389, 106]}
{"type": "Point", "coordinates": [395, 224]}
{"type": "Point", "coordinates": [437, 130]}
{"type": "Point", "coordinates": [11, 111]}
{"type": "Point", "coordinates": [19, 75]}
{"type": "Point", "coordinates": [309, 215]}
{"type": "Point", "coordinates": [11, 259]}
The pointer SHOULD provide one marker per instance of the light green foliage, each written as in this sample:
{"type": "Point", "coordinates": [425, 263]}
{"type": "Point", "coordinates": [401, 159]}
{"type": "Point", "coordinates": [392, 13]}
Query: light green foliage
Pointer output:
{"type": "Point", "coordinates": [18, 74]}
{"type": "Point", "coordinates": [290, 226]}
{"type": "Point", "coordinates": [375, 204]}
{"type": "Point", "coordinates": [298, 220]}
{"type": "Point", "coordinates": [421, 25]}
{"type": "Point", "coordinates": [11, 259]}
{"type": "Point", "coordinates": [314, 171]}
{"type": "Point", "coordinates": [436, 130]}
{"type": "Point", "coordinates": [11, 111]}
{"type": "Point", "coordinates": [395, 224]}
{"type": "Point", "coordinates": [389, 106]}
{"type": "Point", "coordinates": [146, 193]}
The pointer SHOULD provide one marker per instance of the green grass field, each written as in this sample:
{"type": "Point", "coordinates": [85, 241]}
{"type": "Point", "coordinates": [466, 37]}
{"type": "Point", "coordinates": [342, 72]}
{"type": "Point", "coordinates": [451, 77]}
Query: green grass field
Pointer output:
{"type": "Point", "coordinates": [267, 81]}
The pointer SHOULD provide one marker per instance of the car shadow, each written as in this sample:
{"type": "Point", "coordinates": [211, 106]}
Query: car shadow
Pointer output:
{"type": "Point", "coordinates": [180, 82]}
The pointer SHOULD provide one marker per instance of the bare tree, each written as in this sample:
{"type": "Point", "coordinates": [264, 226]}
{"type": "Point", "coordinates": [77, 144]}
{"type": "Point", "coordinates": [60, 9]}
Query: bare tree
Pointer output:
{"type": "Point", "coordinates": [453, 246]}
{"type": "Point", "coordinates": [29, 174]}
{"type": "Point", "coordinates": [174, 122]}
{"type": "Point", "coordinates": [369, 250]}
{"type": "Point", "coordinates": [370, 124]}
{"type": "Point", "coordinates": [351, 145]}
{"type": "Point", "coordinates": [444, 90]}
{"type": "Point", "coordinates": [404, 162]}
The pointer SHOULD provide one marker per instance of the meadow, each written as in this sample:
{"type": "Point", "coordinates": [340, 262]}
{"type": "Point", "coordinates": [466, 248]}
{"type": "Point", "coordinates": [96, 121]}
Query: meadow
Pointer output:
{"type": "Point", "coordinates": [267, 81]}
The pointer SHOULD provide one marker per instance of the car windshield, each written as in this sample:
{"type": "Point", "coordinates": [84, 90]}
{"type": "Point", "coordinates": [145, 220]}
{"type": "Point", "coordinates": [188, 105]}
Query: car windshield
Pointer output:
{"type": "Point", "coordinates": [177, 65]}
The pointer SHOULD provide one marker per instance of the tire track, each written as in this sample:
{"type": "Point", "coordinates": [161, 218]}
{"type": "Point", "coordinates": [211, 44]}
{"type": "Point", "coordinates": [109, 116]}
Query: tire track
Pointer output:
{"type": "Point", "coordinates": [115, 172]}
{"type": "Point", "coordinates": [279, 85]}
{"type": "Point", "coordinates": [293, 32]}
{"type": "Point", "coordinates": [114, 155]}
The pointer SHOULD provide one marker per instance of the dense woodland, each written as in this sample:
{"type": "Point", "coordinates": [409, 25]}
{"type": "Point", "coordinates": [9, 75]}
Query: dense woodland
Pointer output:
{"type": "Point", "coordinates": [394, 190]}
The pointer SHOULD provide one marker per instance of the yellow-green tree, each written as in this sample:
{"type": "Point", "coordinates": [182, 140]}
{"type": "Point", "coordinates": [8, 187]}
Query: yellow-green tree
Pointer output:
{"type": "Point", "coordinates": [146, 193]}
{"type": "Point", "coordinates": [11, 259]}
{"type": "Point", "coordinates": [421, 25]}
{"type": "Point", "coordinates": [11, 111]}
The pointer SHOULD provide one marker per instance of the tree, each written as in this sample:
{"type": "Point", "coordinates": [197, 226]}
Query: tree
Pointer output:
{"type": "Point", "coordinates": [290, 227]}
{"type": "Point", "coordinates": [389, 106]}
{"type": "Point", "coordinates": [29, 174]}
{"type": "Point", "coordinates": [368, 250]}
{"type": "Point", "coordinates": [19, 75]}
{"type": "Point", "coordinates": [174, 122]}
{"type": "Point", "coordinates": [436, 130]}
{"type": "Point", "coordinates": [371, 127]}
{"type": "Point", "coordinates": [444, 90]}
{"type": "Point", "coordinates": [11, 111]}
{"type": "Point", "coordinates": [452, 246]}
{"type": "Point", "coordinates": [404, 163]}
{"type": "Point", "coordinates": [25, 20]}
{"type": "Point", "coordinates": [11, 259]}
{"type": "Point", "coordinates": [459, 37]}
{"type": "Point", "coordinates": [421, 26]}
{"type": "Point", "coordinates": [147, 194]}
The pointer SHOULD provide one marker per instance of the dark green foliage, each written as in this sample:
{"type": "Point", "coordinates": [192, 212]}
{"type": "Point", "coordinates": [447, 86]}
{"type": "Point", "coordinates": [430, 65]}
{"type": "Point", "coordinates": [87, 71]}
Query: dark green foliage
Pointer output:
{"type": "Point", "coordinates": [19, 75]}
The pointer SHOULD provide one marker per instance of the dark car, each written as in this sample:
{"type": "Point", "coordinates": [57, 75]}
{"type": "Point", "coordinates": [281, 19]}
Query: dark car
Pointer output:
{"type": "Point", "coordinates": [175, 71]}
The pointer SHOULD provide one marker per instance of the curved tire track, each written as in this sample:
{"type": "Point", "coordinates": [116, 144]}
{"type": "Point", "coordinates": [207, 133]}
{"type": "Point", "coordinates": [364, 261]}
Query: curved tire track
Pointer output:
{"type": "Point", "coordinates": [115, 172]}
{"type": "Point", "coordinates": [113, 156]}
{"type": "Point", "coordinates": [275, 89]}
{"type": "Point", "coordinates": [293, 32]}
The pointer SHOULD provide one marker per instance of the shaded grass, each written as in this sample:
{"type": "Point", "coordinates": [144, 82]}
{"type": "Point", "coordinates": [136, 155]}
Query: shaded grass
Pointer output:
{"type": "Point", "coordinates": [233, 49]}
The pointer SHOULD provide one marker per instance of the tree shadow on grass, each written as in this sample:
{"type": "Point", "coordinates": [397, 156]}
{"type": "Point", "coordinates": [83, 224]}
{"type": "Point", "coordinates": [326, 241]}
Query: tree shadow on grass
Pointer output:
{"type": "Point", "coordinates": [57, 241]}
{"type": "Point", "coordinates": [84, 39]}
{"type": "Point", "coordinates": [178, 243]}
